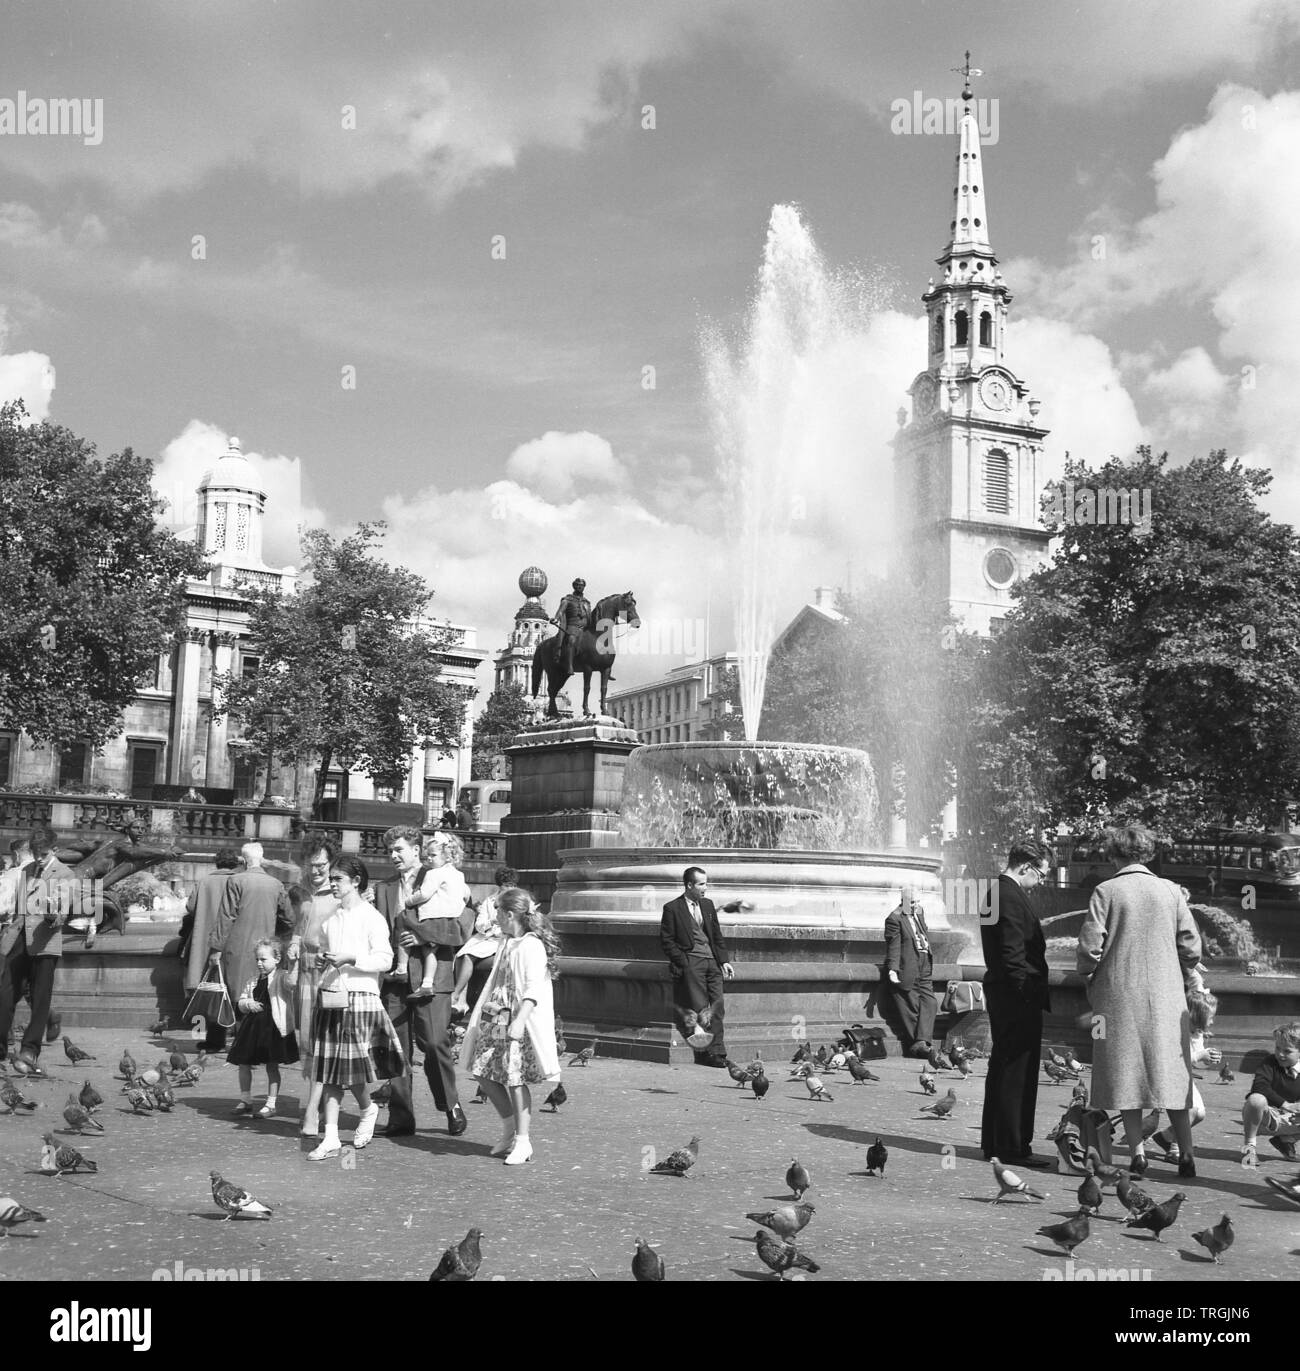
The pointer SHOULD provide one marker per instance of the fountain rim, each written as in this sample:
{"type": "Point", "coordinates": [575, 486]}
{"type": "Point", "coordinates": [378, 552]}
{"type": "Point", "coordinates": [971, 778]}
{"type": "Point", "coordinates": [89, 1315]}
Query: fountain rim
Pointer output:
{"type": "Point", "coordinates": [739, 744]}
{"type": "Point", "coordinates": [752, 856]}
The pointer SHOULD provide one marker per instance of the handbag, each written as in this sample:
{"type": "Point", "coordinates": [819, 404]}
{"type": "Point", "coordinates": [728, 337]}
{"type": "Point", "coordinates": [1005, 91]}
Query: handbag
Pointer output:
{"type": "Point", "coordinates": [963, 997]}
{"type": "Point", "coordinates": [211, 1001]}
{"type": "Point", "coordinates": [867, 1043]}
{"type": "Point", "coordinates": [333, 995]}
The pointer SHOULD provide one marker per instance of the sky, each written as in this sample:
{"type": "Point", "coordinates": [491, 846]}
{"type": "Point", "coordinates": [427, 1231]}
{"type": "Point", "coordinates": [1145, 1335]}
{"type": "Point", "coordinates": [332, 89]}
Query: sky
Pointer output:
{"type": "Point", "coordinates": [458, 266]}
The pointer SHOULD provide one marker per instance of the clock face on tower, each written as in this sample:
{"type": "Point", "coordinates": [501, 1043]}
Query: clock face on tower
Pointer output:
{"type": "Point", "coordinates": [995, 393]}
{"type": "Point", "coordinates": [925, 393]}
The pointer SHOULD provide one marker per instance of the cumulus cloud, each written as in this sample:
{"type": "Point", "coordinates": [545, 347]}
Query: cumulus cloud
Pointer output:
{"type": "Point", "coordinates": [183, 463]}
{"type": "Point", "coordinates": [556, 465]}
{"type": "Point", "coordinates": [25, 376]}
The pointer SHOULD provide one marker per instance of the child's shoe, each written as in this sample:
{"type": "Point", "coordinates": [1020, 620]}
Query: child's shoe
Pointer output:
{"type": "Point", "coordinates": [331, 1147]}
{"type": "Point", "coordinates": [267, 1111]}
{"type": "Point", "coordinates": [366, 1126]}
{"type": "Point", "coordinates": [242, 1108]}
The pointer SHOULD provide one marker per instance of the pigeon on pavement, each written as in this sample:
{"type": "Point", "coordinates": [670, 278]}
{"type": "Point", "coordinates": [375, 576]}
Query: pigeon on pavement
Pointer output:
{"type": "Point", "coordinates": [647, 1265]}
{"type": "Point", "coordinates": [679, 1162]}
{"type": "Point", "coordinates": [90, 1098]}
{"type": "Point", "coordinates": [781, 1256]}
{"type": "Point", "coordinates": [760, 1084]}
{"type": "Point", "coordinates": [817, 1088]}
{"type": "Point", "coordinates": [12, 1214]}
{"type": "Point", "coordinates": [943, 1107]}
{"type": "Point", "coordinates": [583, 1058]}
{"type": "Point", "coordinates": [858, 1069]}
{"type": "Point", "coordinates": [79, 1117]}
{"type": "Point", "coordinates": [235, 1200]}
{"type": "Point", "coordinates": [1217, 1239]}
{"type": "Point", "coordinates": [1012, 1183]}
{"type": "Point", "coordinates": [1226, 1074]}
{"type": "Point", "coordinates": [786, 1220]}
{"type": "Point", "coordinates": [1090, 1195]}
{"type": "Point", "coordinates": [56, 1159]}
{"type": "Point", "coordinates": [797, 1178]}
{"type": "Point", "coordinates": [460, 1263]}
{"type": "Point", "coordinates": [14, 1099]}
{"type": "Point", "coordinates": [877, 1156]}
{"type": "Point", "coordinates": [1067, 1235]}
{"type": "Point", "coordinates": [75, 1054]}
{"type": "Point", "coordinates": [556, 1098]}
{"type": "Point", "coordinates": [1132, 1197]}
{"type": "Point", "coordinates": [126, 1067]}
{"type": "Point", "coordinates": [927, 1083]}
{"type": "Point", "coordinates": [1159, 1216]}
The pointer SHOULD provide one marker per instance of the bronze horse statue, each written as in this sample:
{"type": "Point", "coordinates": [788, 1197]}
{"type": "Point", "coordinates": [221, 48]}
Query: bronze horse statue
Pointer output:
{"type": "Point", "coordinates": [590, 652]}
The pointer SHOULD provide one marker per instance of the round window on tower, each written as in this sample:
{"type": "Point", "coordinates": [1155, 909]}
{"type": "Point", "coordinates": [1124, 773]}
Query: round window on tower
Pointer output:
{"type": "Point", "coordinates": [999, 568]}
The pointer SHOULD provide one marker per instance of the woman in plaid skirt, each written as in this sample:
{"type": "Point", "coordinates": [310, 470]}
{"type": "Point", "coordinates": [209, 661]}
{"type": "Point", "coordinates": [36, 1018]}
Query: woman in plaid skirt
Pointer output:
{"type": "Point", "coordinates": [354, 1043]}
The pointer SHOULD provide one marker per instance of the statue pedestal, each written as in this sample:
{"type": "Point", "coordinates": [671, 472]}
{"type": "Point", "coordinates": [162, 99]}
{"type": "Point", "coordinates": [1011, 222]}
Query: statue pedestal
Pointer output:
{"type": "Point", "coordinates": [566, 791]}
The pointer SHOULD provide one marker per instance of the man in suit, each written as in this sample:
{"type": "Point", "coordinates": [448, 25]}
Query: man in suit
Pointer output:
{"type": "Point", "coordinates": [31, 943]}
{"type": "Point", "coordinates": [909, 969]}
{"type": "Point", "coordinates": [427, 1022]}
{"type": "Point", "coordinates": [254, 905]}
{"type": "Point", "coordinates": [1015, 990]}
{"type": "Point", "coordinates": [698, 958]}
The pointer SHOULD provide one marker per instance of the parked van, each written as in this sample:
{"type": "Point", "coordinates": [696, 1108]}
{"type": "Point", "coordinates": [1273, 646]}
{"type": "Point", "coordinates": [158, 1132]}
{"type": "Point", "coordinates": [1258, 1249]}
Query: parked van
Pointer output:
{"type": "Point", "coordinates": [492, 799]}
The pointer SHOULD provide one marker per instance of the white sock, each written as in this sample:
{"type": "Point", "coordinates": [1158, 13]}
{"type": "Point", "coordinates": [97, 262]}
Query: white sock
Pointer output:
{"type": "Point", "coordinates": [331, 1138]}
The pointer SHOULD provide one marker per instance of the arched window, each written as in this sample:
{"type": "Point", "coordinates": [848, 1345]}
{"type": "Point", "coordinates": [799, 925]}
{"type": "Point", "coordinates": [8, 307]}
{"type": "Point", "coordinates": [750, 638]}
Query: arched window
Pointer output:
{"type": "Point", "coordinates": [962, 326]}
{"type": "Point", "coordinates": [986, 330]}
{"type": "Point", "coordinates": [997, 481]}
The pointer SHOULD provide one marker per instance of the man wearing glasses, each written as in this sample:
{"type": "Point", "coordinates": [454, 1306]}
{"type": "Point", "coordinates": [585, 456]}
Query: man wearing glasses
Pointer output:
{"type": "Point", "coordinates": [1015, 990]}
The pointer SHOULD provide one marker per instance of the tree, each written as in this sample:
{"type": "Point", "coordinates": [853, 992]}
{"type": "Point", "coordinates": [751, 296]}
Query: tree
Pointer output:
{"type": "Point", "coordinates": [724, 721]}
{"type": "Point", "coordinates": [346, 663]}
{"type": "Point", "coordinates": [506, 712]}
{"type": "Point", "coordinates": [1152, 674]}
{"type": "Point", "coordinates": [91, 587]}
{"type": "Point", "coordinates": [884, 681]}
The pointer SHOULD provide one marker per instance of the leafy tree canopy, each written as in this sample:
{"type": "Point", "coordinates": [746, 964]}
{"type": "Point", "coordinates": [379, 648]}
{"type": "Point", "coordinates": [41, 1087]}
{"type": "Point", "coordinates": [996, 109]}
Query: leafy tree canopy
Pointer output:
{"type": "Point", "coordinates": [506, 712]}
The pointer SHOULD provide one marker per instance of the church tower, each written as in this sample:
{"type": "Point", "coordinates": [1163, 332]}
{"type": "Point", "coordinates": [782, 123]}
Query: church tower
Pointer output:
{"type": "Point", "coordinates": [968, 466]}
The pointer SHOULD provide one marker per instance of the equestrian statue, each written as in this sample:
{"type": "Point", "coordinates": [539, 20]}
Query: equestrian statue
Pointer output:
{"type": "Point", "coordinates": [584, 643]}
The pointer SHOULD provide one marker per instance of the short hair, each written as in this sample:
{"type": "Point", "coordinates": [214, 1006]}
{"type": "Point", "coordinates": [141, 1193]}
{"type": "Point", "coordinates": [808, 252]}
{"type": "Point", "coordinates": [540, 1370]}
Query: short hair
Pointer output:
{"type": "Point", "coordinates": [1028, 851]}
{"type": "Point", "coordinates": [319, 842]}
{"type": "Point", "coordinates": [353, 868]}
{"type": "Point", "coordinates": [1131, 843]}
{"type": "Point", "coordinates": [1287, 1035]}
{"type": "Point", "coordinates": [689, 873]}
{"type": "Point", "coordinates": [43, 839]}
{"type": "Point", "coordinates": [227, 858]}
{"type": "Point", "coordinates": [449, 842]}
{"type": "Point", "coordinates": [506, 875]}
{"type": "Point", "coordinates": [274, 944]}
{"type": "Point", "coordinates": [252, 853]}
{"type": "Point", "coordinates": [398, 832]}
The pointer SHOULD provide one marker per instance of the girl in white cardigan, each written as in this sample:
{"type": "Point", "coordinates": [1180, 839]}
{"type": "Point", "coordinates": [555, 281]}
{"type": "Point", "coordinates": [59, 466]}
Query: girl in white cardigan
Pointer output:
{"type": "Point", "coordinates": [510, 1041]}
{"type": "Point", "coordinates": [265, 1036]}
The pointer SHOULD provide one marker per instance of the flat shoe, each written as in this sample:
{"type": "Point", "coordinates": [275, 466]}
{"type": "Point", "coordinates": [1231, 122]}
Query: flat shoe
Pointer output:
{"type": "Point", "coordinates": [267, 1111]}
{"type": "Point", "coordinates": [1138, 1166]}
{"type": "Point", "coordinates": [323, 1153]}
{"type": "Point", "coordinates": [420, 996]}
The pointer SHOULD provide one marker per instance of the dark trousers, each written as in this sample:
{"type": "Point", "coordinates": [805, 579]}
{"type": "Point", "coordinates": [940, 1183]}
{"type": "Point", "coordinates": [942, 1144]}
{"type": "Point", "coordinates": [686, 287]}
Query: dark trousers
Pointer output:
{"type": "Point", "coordinates": [23, 972]}
{"type": "Point", "coordinates": [699, 987]}
{"type": "Point", "coordinates": [916, 1009]}
{"type": "Point", "coordinates": [428, 1025]}
{"type": "Point", "coordinates": [1011, 1088]}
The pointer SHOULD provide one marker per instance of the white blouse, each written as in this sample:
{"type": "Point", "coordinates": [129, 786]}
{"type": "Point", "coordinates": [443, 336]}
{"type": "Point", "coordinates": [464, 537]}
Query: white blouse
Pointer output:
{"type": "Point", "coordinates": [360, 932]}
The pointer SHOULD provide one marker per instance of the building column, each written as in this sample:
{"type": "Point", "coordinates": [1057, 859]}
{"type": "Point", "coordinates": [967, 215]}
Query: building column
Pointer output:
{"type": "Point", "coordinates": [185, 708]}
{"type": "Point", "coordinates": [217, 771]}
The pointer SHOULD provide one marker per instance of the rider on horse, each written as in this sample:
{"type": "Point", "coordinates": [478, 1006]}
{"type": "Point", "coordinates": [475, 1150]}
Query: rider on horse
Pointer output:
{"type": "Point", "coordinates": [571, 618]}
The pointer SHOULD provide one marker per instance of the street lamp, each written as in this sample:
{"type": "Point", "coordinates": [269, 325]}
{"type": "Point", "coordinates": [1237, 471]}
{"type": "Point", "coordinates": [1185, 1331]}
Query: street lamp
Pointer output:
{"type": "Point", "coordinates": [272, 718]}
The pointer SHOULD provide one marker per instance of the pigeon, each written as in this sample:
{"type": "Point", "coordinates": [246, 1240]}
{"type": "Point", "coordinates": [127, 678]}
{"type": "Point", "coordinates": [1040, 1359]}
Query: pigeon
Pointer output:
{"type": "Point", "coordinates": [1058, 1075]}
{"type": "Point", "coordinates": [739, 1074]}
{"type": "Point", "coordinates": [1072, 1063]}
{"type": "Point", "coordinates": [78, 1117]}
{"type": "Point", "coordinates": [1159, 1216]}
{"type": "Point", "coordinates": [1067, 1235]}
{"type": "Point", "coordinates": [1090, 1195]}
{"type": "Point", "coordinates": [681, 1161]}
{"type": "Point", "coordinates": [817, 1088]}
{"type": "Point", "coordinates": [163, 1098]}
{"type": "Point", "coordinates": [761, 1085]}
{"type": "Point", "coordinates": [837, 1061]}
{"type": "Point", "coordinates": [1079, 1095]}
{"type": "Point", "coordinates": [927, 1083]}
{"type": "Point", "coordinates": [786, 1221]}
{"type": "Point", "coordinates": [556, 1098]}
{"type": "Point", "coordinates": [75, 1054]}
{"type": "Point", "coordinates": [941, 1108]}
{"type": "Point", "coordinates": [14, 1099]}
{"type": "Point", "coordinates": [647, 1265]}
{"type": "Point", "coordinates": [1055, 1058]}
{"type": "Point", "coordinates": [1226, 1074]}
{"type": "Point", "coordinates": [151, 1077]}
{"type": "Point", "coordinates": [781, 1256]}
{"type": "Point", "coordinates": [460, 1263]}
{"type": "Point", "coordinates": [156, 1030]}
{"type": "Point", "coordinates": [859, 1070]}
{"type": "Point", "coordinates": [584, 1057]}
{"type": "Point", "coordinates": [178, 1061]}
{"type": "Point", "coordinates": [801, 1054]}
{"type": "Point", "coordinates": [234, 1200]}
{"type": "Point", "coordinates": [1011, 1183]}
{"type": "Point", "coordinates": [126, 1068]}
{"type": "Point", "coordinates": [56, 1159]}
{"type": "Point", "coordinates": [1217, 1239]}
{"type": "Point", "coordinates": [939, 1061]}
{"type": "Point", "coordinates": [964, 1067]}
{"type": "Point", "coordinates": [12, 1214]}
{"type": "Point", "coordinates": [877, 1156]}
{"type": "Point", "coordinates": [801, 1070]}
{"type": "Point", "coordinates": [191, 1074]}
{"type": "Point", "coordinates": [797, 1178]}
{"type": "Point", "coordinates": [957, 1052]}
{"type": "Point", "coordinates": [140, 1099]}
{"type": "Point", "coordinates": [1132, 1197]}
{"type": "Point", "coordinates": [822, 1058]}
{"type": "Point", "coordinates": [1106, 1175]}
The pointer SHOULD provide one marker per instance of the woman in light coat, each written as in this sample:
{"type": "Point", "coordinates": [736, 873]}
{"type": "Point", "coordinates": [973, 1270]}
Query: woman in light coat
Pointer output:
{"type": "Point", "coordinates": [510, 1042]}
{"type": "Point", "coordinates": [1138, 944]}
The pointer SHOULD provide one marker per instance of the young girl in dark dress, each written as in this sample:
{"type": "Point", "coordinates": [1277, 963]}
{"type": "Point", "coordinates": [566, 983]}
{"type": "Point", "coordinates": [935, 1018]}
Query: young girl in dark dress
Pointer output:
{"type": "Point", "coordinates": [265, 1036]}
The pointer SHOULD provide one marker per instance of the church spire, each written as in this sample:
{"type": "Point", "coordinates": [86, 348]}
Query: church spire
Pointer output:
{"type": "Point", "coordinates": [970, 223]}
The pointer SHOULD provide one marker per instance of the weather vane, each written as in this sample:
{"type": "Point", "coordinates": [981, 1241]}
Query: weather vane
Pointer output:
{"type": "Point", "coordinates": [967, 72]}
